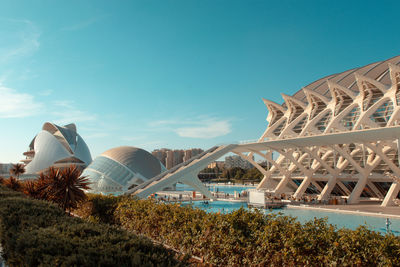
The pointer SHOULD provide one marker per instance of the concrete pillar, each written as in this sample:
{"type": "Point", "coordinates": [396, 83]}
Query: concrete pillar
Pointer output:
{"type": "Point", "coordinates": [198, 185]}
{"type": "Point", "coordinates": [282, 184]}
{"type": "Point", "coordinates": [303, 187]}
{"type": "Point", "coordinates": [263, 182]}
{"type": "Point", "coordinates": [328, 188]}
{"type": "Point", "coordinates": [355, 195]}
{"type": "Point", "coordinates": [391, 195]}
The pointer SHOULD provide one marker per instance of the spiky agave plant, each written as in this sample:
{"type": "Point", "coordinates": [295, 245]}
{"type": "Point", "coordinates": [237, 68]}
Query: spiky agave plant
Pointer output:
{"type": "Point", "coordinates": [71, 188]}
{"type": "Point", "coordinates": [64, 187]}
{"type": "Point", "coordinates": [30, 189]}
{"type": "Point", "coordinates": [47, 184]}
{"type": "Point", "coordinates": [13, 184]}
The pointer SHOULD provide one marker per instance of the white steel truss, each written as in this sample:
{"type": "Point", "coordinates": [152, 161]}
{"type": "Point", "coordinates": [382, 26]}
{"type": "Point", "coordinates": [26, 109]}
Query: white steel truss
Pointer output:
{"type": "Point", "coordinates": [359, 99]}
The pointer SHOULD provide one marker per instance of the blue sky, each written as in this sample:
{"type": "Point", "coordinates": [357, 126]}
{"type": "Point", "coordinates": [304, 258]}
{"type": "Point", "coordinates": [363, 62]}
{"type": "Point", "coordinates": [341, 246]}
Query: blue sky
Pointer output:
{"type": "Point", "coordinates": [176, 74]}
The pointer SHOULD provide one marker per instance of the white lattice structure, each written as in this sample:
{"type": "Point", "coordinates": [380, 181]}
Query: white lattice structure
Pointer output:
{"type": "Point", "coordinates": [358, 99]}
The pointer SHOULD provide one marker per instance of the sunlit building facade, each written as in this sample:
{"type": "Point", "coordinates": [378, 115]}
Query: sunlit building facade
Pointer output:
{"type": "Point", "coordinates": [358, 99]}
{"type": "Point", "coordinates": [170, 158]}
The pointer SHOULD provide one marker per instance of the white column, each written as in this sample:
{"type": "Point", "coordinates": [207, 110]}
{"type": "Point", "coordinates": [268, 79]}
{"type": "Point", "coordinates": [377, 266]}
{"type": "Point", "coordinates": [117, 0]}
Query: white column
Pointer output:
{"type": "Point", "coordinates": [391, 195]}
{"type": "Point", "coordinates": [303, 187]}
{"type": "Point", "coordinates": [355, 195]}
{"type": "Point", "coordinates": [328, 188]}
{"type": "Point", "coordinates": [282, 184]}
{"type": "Point", "coordinates": [394, 188]}
{"type": "Point", "coordinates": [194, 182]}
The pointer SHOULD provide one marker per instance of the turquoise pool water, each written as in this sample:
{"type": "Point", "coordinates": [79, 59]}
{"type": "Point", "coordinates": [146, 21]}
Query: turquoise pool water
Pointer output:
{"type": "Point", "coordinates": [303, 215]}
{"type": "Point", "coordinates": [229, 189]}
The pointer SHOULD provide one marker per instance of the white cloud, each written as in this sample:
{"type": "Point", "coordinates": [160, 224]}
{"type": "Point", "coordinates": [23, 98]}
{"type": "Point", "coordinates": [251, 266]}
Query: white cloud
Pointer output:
{"type": "Point", "coordinates": [96, 135]}
{"type": "Point", "coordinates": [208, 129]}
{"type": "Point", "coordinates": [22, 38]}
{"type": "Point", "coordinates": [17, 105]}
{"type": "Point", "coordinates": [163, 123]}
{"type": "Point", "coordinates": [67, 112]}
{"type": "Point", "coordinates": [199, 127]}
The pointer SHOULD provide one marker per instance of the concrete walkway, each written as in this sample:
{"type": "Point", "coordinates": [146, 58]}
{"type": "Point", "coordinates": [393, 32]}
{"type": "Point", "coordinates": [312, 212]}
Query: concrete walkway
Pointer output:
{"type": "Point", "coordinates": [365, 209]}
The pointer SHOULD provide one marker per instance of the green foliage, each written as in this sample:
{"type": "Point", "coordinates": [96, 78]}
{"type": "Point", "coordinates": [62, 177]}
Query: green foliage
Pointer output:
{"type": "Point", "coordinates": [244, 238]}
{"type": "Point", "coordinates": [252, 174]}
{"type": "Point", "coordinates": [39, 233]}
{"type": "Point", "coordinates": [241, 174]}
{"type": "Point", "coordinates": [98, 208]}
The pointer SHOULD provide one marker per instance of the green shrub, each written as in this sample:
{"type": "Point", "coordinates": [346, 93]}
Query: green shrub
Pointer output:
{"type": "Point", "coordinates": [98, 208]}
{"type": "Point", "coordinates": [248, 237]}
{"type": "Point", "coordinates": [38, 233]}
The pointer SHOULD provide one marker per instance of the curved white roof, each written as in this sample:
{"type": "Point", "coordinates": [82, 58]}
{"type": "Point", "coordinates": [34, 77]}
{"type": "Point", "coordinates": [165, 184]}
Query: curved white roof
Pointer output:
{"type": "Point", "coordinates": [378, 71]}
{"type": "Point", "coordinates": [56, 144]}
{"type": "Point", "coordinates": [136, 159]}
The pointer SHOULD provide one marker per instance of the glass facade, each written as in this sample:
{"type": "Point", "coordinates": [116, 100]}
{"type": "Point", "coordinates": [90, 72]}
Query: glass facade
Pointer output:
{"type": "Point", "coordinates": [108, 175]}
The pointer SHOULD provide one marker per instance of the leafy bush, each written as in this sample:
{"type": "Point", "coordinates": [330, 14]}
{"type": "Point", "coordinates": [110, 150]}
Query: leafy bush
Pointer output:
{"type": "Point", "coordinates": [248, 237]}
{"type": "Point", "coordinates": [98, 208]}
{"type": "Point", "coordinates": [38, 233]}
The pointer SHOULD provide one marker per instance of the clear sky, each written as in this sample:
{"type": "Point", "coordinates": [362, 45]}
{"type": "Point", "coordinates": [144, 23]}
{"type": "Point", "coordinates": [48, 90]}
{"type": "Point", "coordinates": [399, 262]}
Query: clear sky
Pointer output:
{"type": "Point", "coordinates": [175, 74]}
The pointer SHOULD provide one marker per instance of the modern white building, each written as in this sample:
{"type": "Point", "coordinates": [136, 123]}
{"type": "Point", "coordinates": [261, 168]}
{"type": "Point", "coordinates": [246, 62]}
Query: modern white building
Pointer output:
{"type": "Point", "coordinates": [120, 168]}
{"type": "Point", "coordinates": [355, 100]}
{"type": "Point", "coordinates": [338, 136]}
{"type": "Point", "coordinates": [57, 146]}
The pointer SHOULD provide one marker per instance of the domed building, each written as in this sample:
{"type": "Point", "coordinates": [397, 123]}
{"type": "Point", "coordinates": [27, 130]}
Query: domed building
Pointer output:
{"type": "Point", "coordinates": [117, 169]}
{"type": "Point", "coordinates": [57, 146]}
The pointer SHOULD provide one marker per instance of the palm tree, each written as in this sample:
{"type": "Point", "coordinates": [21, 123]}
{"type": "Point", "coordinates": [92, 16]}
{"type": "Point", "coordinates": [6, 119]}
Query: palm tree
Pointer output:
{"type": "Point", "coordinates": [17, 169]}
{"type": "Point", "coordinates": [64, 187]}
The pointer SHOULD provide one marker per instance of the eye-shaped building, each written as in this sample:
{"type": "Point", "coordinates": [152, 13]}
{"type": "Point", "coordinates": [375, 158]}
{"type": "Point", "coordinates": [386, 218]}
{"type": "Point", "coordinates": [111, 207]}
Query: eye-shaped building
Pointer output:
{"type": "Point", "coordinates": [57, 146]}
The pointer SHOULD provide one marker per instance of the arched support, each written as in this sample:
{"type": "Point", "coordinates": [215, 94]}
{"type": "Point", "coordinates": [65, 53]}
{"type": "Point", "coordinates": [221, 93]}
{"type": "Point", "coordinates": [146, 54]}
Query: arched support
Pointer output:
{"type": "Point", "coordinates": [197, 184]}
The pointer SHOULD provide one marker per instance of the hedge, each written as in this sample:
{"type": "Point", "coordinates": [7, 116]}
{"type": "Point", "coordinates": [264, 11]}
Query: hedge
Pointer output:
{"type": "Point", "coordinates": [246, 237]}
{"type": "Point", "coordinates": [38, 233]}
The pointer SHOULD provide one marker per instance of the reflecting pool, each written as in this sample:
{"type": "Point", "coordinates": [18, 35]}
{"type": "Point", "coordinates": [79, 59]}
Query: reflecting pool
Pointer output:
{"type": "Point", "coordinates": [229, 189]}
{"type": "Point", "coordinates": [341, 220]}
